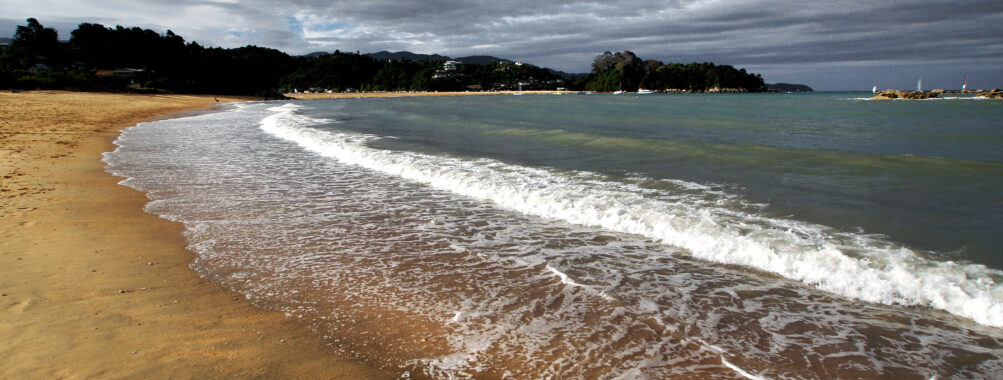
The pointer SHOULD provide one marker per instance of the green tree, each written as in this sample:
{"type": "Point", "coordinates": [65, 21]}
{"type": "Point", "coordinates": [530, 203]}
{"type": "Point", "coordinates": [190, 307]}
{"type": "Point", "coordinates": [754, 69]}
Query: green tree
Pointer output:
{"type": "Point", "coordinates": [338, 71]}
{"type": "Point", "coordinates": [620, 71]}
{"type": "Point", "coordinates": [603, 62]}
{"type": "Point", "coordinates": [32, 45]}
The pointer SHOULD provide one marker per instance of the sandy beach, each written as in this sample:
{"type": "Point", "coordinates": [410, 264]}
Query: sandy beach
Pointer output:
{"type": "Point", "coordinates": [93, 287]}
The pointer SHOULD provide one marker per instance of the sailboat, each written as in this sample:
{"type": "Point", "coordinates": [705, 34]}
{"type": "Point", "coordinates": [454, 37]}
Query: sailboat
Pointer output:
{"type": "Point", "coordinates": [964, 84]}
{"type": "Point", "coordinates": [919, 85]}
{"type": "Point", "coordinates": [875, 89]}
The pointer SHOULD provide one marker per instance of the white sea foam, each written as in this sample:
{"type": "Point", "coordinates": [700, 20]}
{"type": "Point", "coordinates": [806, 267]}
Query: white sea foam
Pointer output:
{"type": "Point", "coordinates": [565, 279]}
{"type": "Point", "coordinates": [740, 371]}
{"type": "Point", "coordinates": [852, 265]}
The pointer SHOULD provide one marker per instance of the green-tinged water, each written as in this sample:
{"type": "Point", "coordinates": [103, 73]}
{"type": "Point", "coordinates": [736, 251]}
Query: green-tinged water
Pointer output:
{"type": "Point", "coordinates": [927, 174]}
{"type": "Point", "coordinates": [602, 236]}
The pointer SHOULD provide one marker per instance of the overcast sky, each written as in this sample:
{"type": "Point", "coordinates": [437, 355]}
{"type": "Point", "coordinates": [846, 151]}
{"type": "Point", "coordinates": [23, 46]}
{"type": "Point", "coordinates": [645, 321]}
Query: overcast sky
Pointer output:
{"type": "Point", "coordinates": [829, 45]}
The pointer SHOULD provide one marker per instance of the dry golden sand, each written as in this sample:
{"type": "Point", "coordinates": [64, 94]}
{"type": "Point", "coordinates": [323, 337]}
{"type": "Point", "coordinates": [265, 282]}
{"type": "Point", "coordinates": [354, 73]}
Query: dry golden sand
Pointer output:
{"type": "Point", "coordinates": [93, 287]}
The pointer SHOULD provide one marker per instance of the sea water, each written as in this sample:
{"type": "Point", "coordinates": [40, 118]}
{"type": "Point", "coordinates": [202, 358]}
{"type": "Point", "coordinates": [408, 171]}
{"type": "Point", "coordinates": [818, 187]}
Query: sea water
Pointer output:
{"type": "Point", "coordinates": [601, 236]}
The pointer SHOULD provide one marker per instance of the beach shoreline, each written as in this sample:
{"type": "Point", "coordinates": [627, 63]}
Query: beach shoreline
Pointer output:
{"type": "Point", "coordinates": [94, 287]}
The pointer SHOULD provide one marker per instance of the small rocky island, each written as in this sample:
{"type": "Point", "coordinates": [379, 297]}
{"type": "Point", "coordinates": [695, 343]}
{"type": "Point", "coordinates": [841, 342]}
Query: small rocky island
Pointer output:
{"type": "Point", "coordinates": [914, 95]}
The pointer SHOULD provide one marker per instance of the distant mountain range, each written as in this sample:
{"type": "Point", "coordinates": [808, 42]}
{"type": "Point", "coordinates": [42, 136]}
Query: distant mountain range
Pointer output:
{"type": "Point", "coordinates": [409, 56]}
{"type": "Point", "coordinates": [481, 60]}
{"type": "Point", "coordinates": [788, 87]}
{"type": "Point", "coordinates": [316, 54]}
{"type": "Point", "coordinates": [406, 55]}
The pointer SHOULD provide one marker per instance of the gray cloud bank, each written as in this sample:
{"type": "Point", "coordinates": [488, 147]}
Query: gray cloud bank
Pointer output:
{"type": "Point", "coordinates": [839, 45]}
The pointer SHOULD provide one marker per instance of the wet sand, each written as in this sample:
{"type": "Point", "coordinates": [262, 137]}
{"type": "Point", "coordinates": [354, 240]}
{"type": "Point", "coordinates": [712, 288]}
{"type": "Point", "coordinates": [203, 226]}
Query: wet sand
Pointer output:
{"type": "Point", "coordinates": [93, 287]}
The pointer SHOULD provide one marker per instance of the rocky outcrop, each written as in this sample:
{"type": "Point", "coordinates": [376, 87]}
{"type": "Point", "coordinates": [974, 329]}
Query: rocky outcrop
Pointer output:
{"type": "Point", "coordinates": [912, 95]}
{"type": "Point", "coordinates": [992, 94]}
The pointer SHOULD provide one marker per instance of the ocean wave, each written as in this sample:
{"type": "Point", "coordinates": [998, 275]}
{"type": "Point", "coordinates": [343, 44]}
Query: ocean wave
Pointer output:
{"type": "Point", "coordinates": [853, 265]}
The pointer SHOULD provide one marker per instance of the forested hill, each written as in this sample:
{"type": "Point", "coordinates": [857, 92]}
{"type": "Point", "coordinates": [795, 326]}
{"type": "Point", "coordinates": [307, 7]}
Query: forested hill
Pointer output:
{"type": "Point", "coordinates": [406, 56]}
{"type": "Point", "coordinates": [624, 71]}
{"type": "Point", "coordinates": [409, 56]}
{"type": "Point", "coordinates": [134, 59]}
{"type": "Point", "coordinates": [141, 60]}
{"type": "Point", "coordinates": [789, 87]}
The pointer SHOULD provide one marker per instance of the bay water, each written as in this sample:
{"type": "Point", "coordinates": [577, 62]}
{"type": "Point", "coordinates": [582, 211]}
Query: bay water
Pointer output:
{"type": "Point", "coordinates": [603, 236]}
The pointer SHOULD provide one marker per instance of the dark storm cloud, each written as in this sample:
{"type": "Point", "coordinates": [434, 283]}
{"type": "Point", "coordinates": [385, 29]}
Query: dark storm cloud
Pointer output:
{"type": "Point", "coordinates": [567, 34]}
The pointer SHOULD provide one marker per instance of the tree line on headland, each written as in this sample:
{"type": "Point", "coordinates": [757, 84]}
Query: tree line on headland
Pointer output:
{"type": "Point", "coordinates": [624, 71]}
{"type": "Point", "coordinates": [141, 60]}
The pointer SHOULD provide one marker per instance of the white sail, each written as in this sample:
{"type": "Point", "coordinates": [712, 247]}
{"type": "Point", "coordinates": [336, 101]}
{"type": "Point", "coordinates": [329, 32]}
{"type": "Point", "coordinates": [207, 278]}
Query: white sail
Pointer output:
{"type": "Point", "coordinates": [875, 89]}
{"type": "Point", "coordinates": [919, 85]}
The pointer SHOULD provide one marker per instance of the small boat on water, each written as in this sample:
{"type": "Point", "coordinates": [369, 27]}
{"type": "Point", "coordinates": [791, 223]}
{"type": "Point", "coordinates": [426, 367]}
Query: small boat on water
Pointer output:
{"type": "Point", "coordinates": [617, 92]}
{"type": "Point", "coordinates": [643, 91]}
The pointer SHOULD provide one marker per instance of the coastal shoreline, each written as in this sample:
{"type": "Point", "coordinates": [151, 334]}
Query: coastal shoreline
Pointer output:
{"type": "Point", "coordinates": [94, 287]}
{"type": "Point", "coordinates": [355, 95]}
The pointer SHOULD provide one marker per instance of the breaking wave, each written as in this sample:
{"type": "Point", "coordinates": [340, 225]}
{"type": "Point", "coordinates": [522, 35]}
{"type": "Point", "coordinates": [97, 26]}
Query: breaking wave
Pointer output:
{"type": "Point", "coordinates": [708, 224]}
